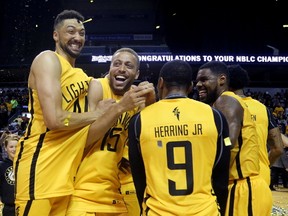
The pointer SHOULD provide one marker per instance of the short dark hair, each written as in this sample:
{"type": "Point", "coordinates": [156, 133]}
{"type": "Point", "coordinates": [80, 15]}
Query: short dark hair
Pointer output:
{"type": "Point", "coordinates": [217, 67]}
{"type": "Point", "coordinates": [133, 52]}
{"type": "Point", "coordinates": [67, 14]}
{"type": "Point", "coordinates": [239, 77]}
{"type": "Point", "coordinates": [177, 72]}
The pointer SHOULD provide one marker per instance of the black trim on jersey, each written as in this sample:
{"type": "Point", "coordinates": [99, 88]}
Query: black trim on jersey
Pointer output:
{"type": "Point", "coordinates": [27, 208]}
{"type": "Point", "coordinates": [21, 144]}
{"type": "Point", "coordinates": [219, 125]}
{"type": "Point", "coordinates": [147, 208]}
{"type": "Point", "coordinates": [33, 166]}
{"type": "Point", "coordinates": [232, 199]}
{"type": "Point", "coordinates": [250, 208]}
{"type": "Point", "coordinates": [29, 126]}
{"type": "Point", "coordinates": [220, 173]}
{"type": "Point", "coordinates": [135, 157]}
{"type": "Point", "coordinates": [237, 158]}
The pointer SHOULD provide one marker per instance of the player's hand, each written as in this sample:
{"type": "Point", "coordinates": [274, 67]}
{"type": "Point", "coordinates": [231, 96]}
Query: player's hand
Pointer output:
{"type": "Point", "coordinates": [150, 94]}
{"type": "Point", "coordinates": [105, 104]}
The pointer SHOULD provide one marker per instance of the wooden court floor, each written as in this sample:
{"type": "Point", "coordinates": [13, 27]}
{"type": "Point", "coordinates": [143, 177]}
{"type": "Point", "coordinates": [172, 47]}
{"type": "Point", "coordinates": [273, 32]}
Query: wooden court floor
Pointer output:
{"type": "Point", "coordinates": [280, 202]}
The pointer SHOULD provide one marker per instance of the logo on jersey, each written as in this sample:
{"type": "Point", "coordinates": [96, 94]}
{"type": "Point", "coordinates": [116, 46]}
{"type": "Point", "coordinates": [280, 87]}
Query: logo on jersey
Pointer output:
{"type": "Point", "coordinates": [9, 175]}
{"type": "Point", "coordinates": [176, 112]}
{"type": "Point", "coordinates": [117, 202]}
{"type": "Point", "coordinates": [17, 210]}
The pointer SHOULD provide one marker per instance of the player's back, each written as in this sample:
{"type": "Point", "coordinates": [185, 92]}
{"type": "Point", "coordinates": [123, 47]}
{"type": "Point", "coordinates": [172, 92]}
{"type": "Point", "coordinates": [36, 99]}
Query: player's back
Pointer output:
{"type": "Point", "coordinates": [178, 143]}
{"type": "Point", "coordinates": [259, 115]}
{"type": "Point", "coordinates": [244, 160]}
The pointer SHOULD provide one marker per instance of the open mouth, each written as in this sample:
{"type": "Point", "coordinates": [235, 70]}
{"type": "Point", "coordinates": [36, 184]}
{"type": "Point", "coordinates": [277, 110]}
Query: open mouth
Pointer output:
{"type": "Point", "coordinates": [75, 47]}
{"type": "Point", "coordinates": [120, 79]}
{"type": "Point", "coordinates": [202, 93]}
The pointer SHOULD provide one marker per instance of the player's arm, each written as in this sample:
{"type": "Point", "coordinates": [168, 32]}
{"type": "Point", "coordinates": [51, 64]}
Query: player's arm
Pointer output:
{"type": "Point", "coordinates": [135, 157]}
{"type": "Point", "coordinates": [233, 113]}
{"type": "Point", "coordinates": [285, 140]}
{"type": "Point", "coordinates": [220, 173]}
{"type": "Point", "coordinates": [95, 94]}
{"type": "Point", "coordinates": [45, 77]}
{"type": "Point", "coordinates": [131, 99]}
{"type": "Point", "coordinates": [274, 141]}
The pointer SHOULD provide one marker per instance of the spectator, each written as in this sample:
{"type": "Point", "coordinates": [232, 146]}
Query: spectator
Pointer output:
{"type": "Point", "coordinates": [280, 170]}
{"type": "Point", "coordinates": [14, 105]}
{"type": "Point", "coordinates": [7, 180]}
{"type": "Point", "coordinates": [3, 115]}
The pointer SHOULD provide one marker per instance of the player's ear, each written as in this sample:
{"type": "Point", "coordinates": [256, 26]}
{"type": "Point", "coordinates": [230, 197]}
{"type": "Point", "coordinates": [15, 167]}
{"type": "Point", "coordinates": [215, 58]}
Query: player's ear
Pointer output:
{"type": "Point", "coordinates": [160, 83]}
{"type": "Point", "coordinates": [222, 79]}
{"type": "Point", "coordinates": [137, 74]}
{"type": "Point", "coordinates": [190, 87]}
{"type": "Point", "coordinates": [55, 36]}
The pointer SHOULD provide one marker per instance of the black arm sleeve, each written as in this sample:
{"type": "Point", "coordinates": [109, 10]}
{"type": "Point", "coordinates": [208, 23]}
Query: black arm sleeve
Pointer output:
{"type": "Point", "coordinates": [220, 174]}
{"type": "Point", "coordinates": [135, 158]}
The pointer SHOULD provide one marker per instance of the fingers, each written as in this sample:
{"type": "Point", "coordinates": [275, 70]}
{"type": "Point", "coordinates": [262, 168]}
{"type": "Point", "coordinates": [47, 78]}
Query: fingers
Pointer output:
{"type": "Point", "coordinates": [143, 83]}
{"type": "Point", "coordinates": [146, 84]}
{"type": "Point", "coordinates": [143, 90]}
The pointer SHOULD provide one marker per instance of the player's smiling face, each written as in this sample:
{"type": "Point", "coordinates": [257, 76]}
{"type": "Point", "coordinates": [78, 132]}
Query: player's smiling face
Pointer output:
{"type": "Point", "coordinates": [207, 85]}
{"type": "Point", "coordinates": [123, 72]}
{"type": "Point", "coordinates": [71, 37]}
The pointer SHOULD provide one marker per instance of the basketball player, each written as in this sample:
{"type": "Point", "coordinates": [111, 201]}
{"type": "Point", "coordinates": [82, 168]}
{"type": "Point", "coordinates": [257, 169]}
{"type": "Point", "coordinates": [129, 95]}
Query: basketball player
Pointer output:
{"type": "Point", "coordinates": [179, 150]}
{"type": "Point", "coordinates": [266, 126]}
{"type": "Point", "coordinates": [97, 184]}
{"type": "Point", "coordinates": [49, 153]}
{"type": "Point", "coordinates": [246, 186]}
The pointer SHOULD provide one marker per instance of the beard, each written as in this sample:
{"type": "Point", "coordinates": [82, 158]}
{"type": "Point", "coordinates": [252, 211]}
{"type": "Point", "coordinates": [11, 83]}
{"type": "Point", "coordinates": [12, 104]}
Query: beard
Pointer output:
{"type": "Point", "coordinates": [68, 51]}
{"type": "Point", "coordinates": [210, 98]}
{"type": "Point", "coordinates": [120, 90]}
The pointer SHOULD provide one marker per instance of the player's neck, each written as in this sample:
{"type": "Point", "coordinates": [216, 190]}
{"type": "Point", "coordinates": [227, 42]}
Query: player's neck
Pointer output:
{"type": "Point", "coordinates": [176, 95]}
{"type": "Point", "coordinates": [240, 93]}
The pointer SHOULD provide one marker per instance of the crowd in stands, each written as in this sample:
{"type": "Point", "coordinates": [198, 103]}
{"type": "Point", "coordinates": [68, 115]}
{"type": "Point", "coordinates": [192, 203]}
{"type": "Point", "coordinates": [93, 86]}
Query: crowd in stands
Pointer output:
{"type": "Point", "coordinates": [278, 104]}
{"type": "Point", "coordinates": [13, 101]}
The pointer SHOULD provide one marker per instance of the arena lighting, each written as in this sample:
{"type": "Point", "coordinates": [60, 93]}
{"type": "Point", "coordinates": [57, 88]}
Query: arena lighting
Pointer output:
{"type": "Point", "coordinates": [253, 59]}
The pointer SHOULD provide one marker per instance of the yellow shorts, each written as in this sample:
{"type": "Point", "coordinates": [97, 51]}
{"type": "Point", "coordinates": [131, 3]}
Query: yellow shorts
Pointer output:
{"type": "Point", "coordinates": [249, 196]}
{"type": "Point", "coordinates": [130, 198]}
{"type": "Point", "coordinates": [55, 206]}
{"type": "Point", "coordinates": [78, 213]}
